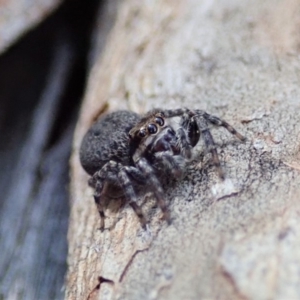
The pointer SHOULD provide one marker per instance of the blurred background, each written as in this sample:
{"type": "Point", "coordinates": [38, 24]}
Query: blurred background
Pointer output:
{"type": "Point", "coordinates": [44, 61]}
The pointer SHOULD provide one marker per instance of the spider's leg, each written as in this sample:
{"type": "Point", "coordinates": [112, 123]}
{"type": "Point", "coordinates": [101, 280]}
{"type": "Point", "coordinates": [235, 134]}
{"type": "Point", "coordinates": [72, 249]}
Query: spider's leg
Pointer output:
{"type": "Point", "coordinates": [147, 170]}
{"type": "Point", "coordinates": [130, 195]}
{"type": "Point", "coordinates": [187, 114]}
{"type": "Point", "coordinates": [218, 122]}
{"type": "Point", "coordinates": [97, 182]}
{"type": "Point", "coordinates": [100, 210]}
{"type": "Point", "coordinates": [116, 173]}
{"type": "Point", "coordinates": [210, 145]}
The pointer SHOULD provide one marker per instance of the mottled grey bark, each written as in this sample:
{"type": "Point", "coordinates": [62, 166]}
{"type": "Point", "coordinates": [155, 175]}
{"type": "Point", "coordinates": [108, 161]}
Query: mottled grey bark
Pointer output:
{"type": "Point", "coordinates": [236, 239]}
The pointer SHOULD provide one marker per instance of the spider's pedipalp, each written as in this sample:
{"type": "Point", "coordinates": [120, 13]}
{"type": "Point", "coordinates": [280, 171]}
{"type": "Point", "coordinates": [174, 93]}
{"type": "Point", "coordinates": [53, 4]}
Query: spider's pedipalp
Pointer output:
{"type": "Point", "coordinates": [173, 164]}
{"type": "Point", "coordinates": [183, 143]}
{"type": "Point", "coordinates": [136, 174]}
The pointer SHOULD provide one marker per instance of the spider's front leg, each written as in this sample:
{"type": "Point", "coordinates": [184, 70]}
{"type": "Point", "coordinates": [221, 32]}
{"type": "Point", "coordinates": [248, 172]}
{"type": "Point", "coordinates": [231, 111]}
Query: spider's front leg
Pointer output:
{"type": "Point", "coordinates": [154, 183]}
{"type": "Point", "coordinates": [115, 173]}
{"type": "Point", "coordinates": [210, 145]}
{"type": "Point", "coordinates": [97, 182]}
{"type": "Point", "coordinates": [219, 122]}
{"type": "Point", "coordinates": [202, 119]}
{"type": "Point", "coordinates": [195, 123]}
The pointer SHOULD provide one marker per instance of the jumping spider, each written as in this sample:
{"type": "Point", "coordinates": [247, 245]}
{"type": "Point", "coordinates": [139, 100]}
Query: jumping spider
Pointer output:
{"type": "Point", "coordinates": [127, 151]}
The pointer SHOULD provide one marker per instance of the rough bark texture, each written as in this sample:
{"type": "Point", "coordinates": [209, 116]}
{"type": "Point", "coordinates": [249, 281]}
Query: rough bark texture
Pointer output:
{"type": "Point", "coordinates": [236, 239]}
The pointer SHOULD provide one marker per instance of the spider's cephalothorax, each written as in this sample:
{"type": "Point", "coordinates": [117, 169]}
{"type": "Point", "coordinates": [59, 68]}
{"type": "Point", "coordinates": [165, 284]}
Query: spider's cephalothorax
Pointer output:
{"type": "Point", "coordinates": [126, 150]}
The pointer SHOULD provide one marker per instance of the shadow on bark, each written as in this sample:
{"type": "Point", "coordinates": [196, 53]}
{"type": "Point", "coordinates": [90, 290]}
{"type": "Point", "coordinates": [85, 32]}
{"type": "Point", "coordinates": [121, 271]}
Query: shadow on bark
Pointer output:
{"type": "Point", "coordinates": [42, 81]}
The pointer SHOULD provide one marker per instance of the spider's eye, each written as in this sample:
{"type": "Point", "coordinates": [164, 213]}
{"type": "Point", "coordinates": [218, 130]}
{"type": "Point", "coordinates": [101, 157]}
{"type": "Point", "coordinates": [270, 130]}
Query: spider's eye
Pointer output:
{"type": "Point", "coordinates": [160, 121]}
{"type": "Point", "coordinates": [152, 128]}
{"type": "Point", "coordinates": [142, 133]}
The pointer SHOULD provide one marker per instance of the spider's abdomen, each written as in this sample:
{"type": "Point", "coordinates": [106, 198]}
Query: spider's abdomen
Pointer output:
{"type": "Point", "coordinates": [107, 140]}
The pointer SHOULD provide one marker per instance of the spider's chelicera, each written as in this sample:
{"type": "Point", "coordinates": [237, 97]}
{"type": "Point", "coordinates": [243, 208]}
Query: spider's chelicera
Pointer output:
{"type": "Point", "coordinates": [126, 150]}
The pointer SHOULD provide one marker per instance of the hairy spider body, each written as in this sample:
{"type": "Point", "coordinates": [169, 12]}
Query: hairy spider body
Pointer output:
{"type": "Point", "coordinates": [107, 140]}
{"type": "Point", "coordinates": [128, 150]}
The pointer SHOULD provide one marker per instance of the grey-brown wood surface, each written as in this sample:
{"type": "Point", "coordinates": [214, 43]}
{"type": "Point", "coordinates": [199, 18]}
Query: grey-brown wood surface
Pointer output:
{"type": "Point", "coordinates": [237, 239]}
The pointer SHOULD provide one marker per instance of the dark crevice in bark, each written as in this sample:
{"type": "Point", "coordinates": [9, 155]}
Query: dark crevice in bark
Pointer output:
{"type": "Point", "coordinates": [232, 283]}
{"type": "Point", "coordinates": [129, 264]}
{"type": "Point", "coordinates": [43, 80]}
{"type": "Point", "coordinates": [98, 286]}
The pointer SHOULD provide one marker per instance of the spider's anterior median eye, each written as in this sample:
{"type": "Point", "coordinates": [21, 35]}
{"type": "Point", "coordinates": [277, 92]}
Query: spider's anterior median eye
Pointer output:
{"type": "Point", "coordinates": [142, 133]}
{"type": "Point", "coordinates": [152, 128]}
{"type": "Point", "coordinates": [160, 121]}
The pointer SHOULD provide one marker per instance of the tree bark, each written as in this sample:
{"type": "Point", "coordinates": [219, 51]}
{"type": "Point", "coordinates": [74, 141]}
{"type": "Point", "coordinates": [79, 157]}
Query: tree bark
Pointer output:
{"type": "Point", "coordinates": [236, 239]}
